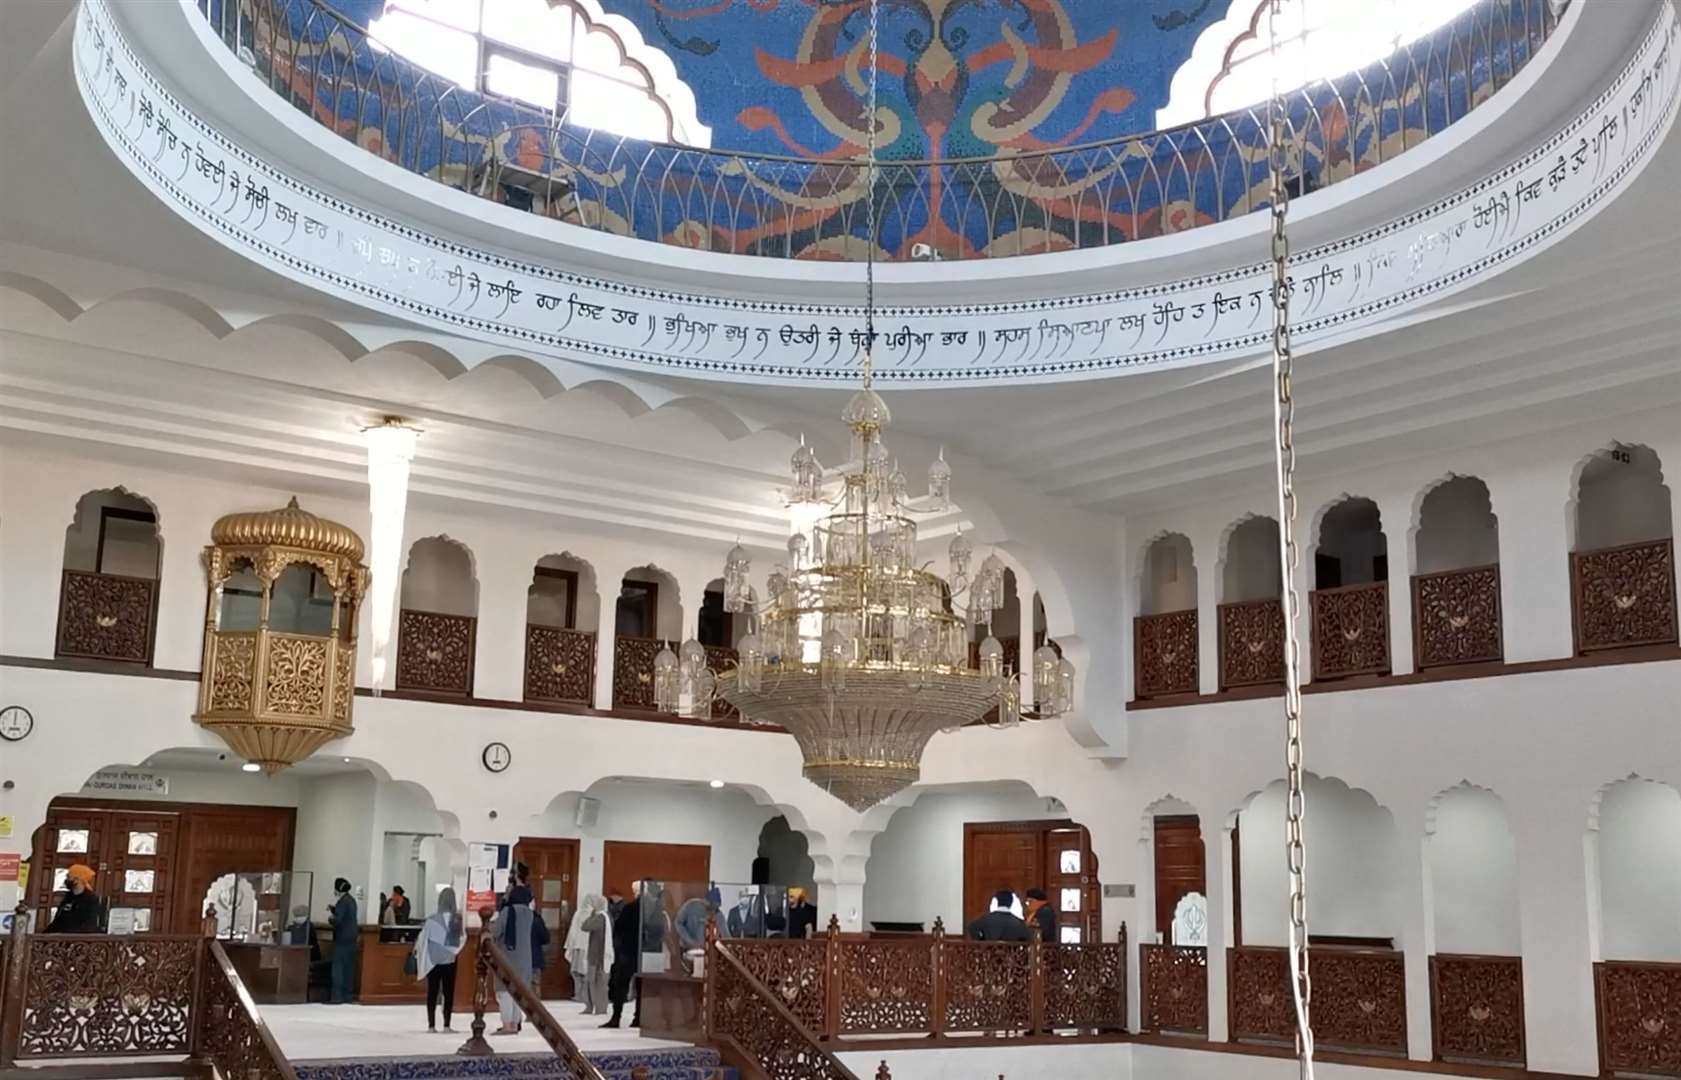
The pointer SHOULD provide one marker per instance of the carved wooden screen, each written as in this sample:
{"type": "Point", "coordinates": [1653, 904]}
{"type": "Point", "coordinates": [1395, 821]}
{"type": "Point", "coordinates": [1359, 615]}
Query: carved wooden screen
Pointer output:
{"type": "Point", "coordinates": [1476, 1008]}
{"type": "Point", "coordinates": [1165, 649]}
{"type": "Point", "coordinates": [106, 617]}
{"type": "Point", "coordinates": [1639, 1007]}
{"type": "Point", "coordinates": [986, 986]}
{"type": "Point", "coordinates": [633, 671]}
{"type": "Point", "coordinates": [559, 665]}
{"type": "Point", "coordinates": [97, 996]}
{"type": "Point", "coordinates": [1173, 988]}
{"type": "Point", "coordinates": [1350, 630]}
{"type": "Point", "coordinates": [1456, 617]}
{"type": "Point", "coordinates": [435, 652]}
{"type": "Point", "coordinates": [886, 985]}
{"type": "Point", "coordinates": [1251, 644]}
{"type": "Point", "coordinates": [1624, 596]}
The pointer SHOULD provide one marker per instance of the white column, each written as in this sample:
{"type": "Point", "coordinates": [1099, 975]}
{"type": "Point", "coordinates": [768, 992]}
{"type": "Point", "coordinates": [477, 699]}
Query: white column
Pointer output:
{"type": "Point", "coordinates": [609, 579]}
{"type": "Point", "coordinates": [499, 649]}
{"type": "Point", "coordinates": [1532, 508]}
{"type": "Point", "coordinates": [182, 585]}
{"type": "Point", "coordinates": [1415, 939]}
{"type": "Point", "coordinates": [1217, 857]}
{"type": "Point", "coordinates": [1556, 921]}
{"type": "Point", "coordinates": [1208, 626]}
{"type": "Point", "coordinates": [1396, 512]}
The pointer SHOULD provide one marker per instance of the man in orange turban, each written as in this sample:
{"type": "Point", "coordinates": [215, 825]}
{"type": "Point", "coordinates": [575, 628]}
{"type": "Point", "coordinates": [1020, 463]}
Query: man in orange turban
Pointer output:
{"type": "Point", "coordinates": [80, 912]}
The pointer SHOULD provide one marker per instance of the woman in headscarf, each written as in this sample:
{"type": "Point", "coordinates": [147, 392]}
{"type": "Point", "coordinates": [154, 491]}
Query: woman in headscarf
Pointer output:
{"type": "Point", "coordinates": [80, 911]}
{"type": "Point", "coordinates": [513, 932]}
{"type": "Point", "coordinates": [589, 949]}
{"type": "Point", "coordinates": [435, 951]}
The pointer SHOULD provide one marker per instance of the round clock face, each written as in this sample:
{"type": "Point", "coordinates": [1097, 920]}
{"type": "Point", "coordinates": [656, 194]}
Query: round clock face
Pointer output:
{"type": "Point", "coordinates": [497, 757]}
{"type": "Point", "coordinates": [15, 723]}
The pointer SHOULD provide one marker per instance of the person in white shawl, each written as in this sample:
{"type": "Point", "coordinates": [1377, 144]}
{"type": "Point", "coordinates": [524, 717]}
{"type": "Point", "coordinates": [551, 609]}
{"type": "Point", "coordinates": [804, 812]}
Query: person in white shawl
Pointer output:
{"type": "Point", "coordinates": [589, 950]}
{"type": "Point", "coordinates": [435, 950]}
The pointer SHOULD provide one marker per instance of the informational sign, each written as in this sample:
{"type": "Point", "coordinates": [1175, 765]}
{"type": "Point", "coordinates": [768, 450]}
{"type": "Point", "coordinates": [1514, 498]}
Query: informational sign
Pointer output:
{"type": "Point", "coordinates": [6, 826]}
{"type": "Point", "coordinates": [487, 874]}
{"type": "Point", "coordinates": [11, 866]}
{"type": "Point", "coordinates": [128, 782]}
{"type": "Point", "coordinates": [120, 921]}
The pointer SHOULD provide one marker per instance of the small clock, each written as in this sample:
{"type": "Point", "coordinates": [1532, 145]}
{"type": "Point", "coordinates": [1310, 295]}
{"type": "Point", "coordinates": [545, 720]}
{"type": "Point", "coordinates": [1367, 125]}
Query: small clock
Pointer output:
{"type": "Point", "coordinates": [497, 757]}
{"type": "Point", "coordinates": [16, 723]}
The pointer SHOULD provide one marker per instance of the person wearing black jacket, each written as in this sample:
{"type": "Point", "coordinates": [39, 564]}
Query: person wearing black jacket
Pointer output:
{"type": "Point", "coordinates": [345, 932]}
{"type": "Point", "coordinates": [80, 912]}
{"type": "Point", "coordinates": [1039, 910]}
{"type": "Point", "coordinates": [999, 924]}
{"type": "Point", "coordinates": [627, 944]}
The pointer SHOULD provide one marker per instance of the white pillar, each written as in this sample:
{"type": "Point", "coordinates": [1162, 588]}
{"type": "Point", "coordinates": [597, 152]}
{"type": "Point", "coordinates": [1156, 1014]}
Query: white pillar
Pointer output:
{"type": "Point", "coordinates": [499, 649]}
{"type": "Point", "coordinates": [1217, 859]}
{"type": "Point", "coordinates": [1396, 513]}
{"type": "Point", "coordinates": [1532, 510]}
{"type": "Point", "coordinates": [1556, 923]}
{"type": "Point", "coordinates": [1208, 626]}
{"type": "Point", "coordinates": [609, 579]}
{"type": "Point", "coordinates": [1415, 938]}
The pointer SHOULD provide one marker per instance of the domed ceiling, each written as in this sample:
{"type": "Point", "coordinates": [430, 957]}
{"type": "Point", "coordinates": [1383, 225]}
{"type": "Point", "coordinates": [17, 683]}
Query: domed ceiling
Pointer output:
{"type": "Point", "coordinates": [971, 77]}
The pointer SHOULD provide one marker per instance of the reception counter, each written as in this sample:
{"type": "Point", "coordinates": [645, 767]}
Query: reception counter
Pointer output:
{"type": "Point", "coordinates": [379, 972]}
{"type": "Point", "coordinates": [274, 974]}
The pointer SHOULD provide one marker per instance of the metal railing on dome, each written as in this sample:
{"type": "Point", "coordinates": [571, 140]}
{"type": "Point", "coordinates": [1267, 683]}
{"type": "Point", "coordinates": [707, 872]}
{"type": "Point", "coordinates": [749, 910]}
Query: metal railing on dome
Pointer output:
{"type": "Point", "coordinates": [1091, 195]}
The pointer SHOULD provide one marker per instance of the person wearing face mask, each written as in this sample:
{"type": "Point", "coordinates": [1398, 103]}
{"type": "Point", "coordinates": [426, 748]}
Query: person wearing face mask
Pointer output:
{"type": "Point", "coordinates": [80, 912]}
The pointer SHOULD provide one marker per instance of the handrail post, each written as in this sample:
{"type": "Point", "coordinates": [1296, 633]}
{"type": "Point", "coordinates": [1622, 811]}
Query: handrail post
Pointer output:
{"type": "Point", "coordinates": [831, 972]}
{"type": "Point", "coordinates": [12, 990]}
{"type": "Point", "coordinates": [1035, 979]}
{"type": "Point", "coordinates": [709, 988]}
{"type": "Point", "coordinates": [476, 1046]}
{"type": "Point", "coordinates": [1121, 937]}
{"type": "Point", "coordinates": [937, 1014]}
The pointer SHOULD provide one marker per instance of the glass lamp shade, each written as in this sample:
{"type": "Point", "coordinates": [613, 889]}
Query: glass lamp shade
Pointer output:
{"type": "Point", "coordinates": [939, 483]}
{"type": "Point", "coordinates": [1064, 686]}
{"type": "Point", "coordinates": [692, 659]}
{"type": "Point", "coordinates": [992, 658]}
{"type": "Point", "coordinates": [897, 486]}
{"type": "Point", "coordinates": [797, 545]}
{"type": "Point", "coordinates": [703, 689]}
{"type": "Point", "coordinates": [1045, 662]}
{"type": "Point", "coordinates": [750, 663]}
{"type": "Point", "coordinates": [1009, 704]}
{"type": "Point", "coordinates": [832, 664]}
{"type": "Point", "coordinates": [737, 589]}
{"type": "Point", "coordinates": [807, 473]}
{"type": "Point", "coordinates": [665, 680]}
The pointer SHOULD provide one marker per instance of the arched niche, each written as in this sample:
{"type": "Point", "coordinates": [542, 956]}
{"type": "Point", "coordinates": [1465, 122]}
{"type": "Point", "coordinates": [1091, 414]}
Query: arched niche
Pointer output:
{"type": "Point", "coordinates": [1621, 499]}
{"type": "Point", "coordinates": [1169, 579]}
{"type": "Point", "coordinates": [1457, 528]}
{"type": "Point", "coordinates": [108, 597]}
{"type": "Point", "coordinates": [1352, 549]}
{"type": "Point", "coordinates": [649, 605]}
{"type": "Point", "coordinates": [1250, 570]}
{"type": "Point", "coordinates": [563, 594]}
{"type": "Point", "coordinates": [1472, 860]}
{"type": "Point", "coordinates": [715, 627]}
{"type": "Point", "coordinates": [1172, 830]}
{"type": "Point", "coordinates": [437, 629]}
{"type": "Point", "coordinates": [1005, 621]}
{"type": "Point", "coordinates": [787, 855]}
{"type": "Point", "coordinates": [1354, 877]}
{"type": "Point", "coordinates": [1638, 846]}
{"type": "Point", "coordinates": [439, 578]}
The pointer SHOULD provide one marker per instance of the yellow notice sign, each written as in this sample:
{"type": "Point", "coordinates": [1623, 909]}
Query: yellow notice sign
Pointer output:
{"type": "Point", "coordinates": [5, 826]}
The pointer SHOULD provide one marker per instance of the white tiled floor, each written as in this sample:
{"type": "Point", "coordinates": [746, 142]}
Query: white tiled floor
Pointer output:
{"type": "Point", "coordinates": [305, 1032]}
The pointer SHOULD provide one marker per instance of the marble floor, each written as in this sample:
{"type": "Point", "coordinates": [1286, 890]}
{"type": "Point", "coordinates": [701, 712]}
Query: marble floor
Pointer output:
{"type": "Point", "coordinates": [307, 1032]}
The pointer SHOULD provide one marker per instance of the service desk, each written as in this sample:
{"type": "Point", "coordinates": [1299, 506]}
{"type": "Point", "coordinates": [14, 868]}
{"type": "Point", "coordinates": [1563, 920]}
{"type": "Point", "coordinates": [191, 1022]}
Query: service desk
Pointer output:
{"type": "Point", "coordinates": [274, 974]}
{"type": "Point", "coordinates": [379, 972]}
{"type": "Point", "coordinates": [671, 1007]}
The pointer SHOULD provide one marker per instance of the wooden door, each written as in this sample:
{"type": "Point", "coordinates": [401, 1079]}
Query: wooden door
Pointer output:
{"type": "Point", "coordinates": [217, 840]}
{"type": "Point", "coordinates": [553, 866]}
{"type": "Point", "coordinates": [1071, 885]}
{"type": "Point", "coordinates": [625, 861]}
{"type": "Point", "coordinates": [999, 855]}
{"type": "Point", "coordinates": [141, 854]}
{"type": "Point", "coordinates": [1181, 866]}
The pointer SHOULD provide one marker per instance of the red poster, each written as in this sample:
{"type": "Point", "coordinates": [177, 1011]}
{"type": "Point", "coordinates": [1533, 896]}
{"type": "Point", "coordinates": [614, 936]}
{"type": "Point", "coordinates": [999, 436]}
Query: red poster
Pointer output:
{"type": "Point", "coordinates": [9, 864]}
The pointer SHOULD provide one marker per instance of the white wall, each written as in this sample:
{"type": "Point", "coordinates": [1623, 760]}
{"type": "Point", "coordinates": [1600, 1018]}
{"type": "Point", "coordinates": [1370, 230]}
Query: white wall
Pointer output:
{"type": "Point", "coordinates": [1473, 862]}
{"type": "Point", "coordinates": [335, 827]}
{"type": "Point", "coordinates": [1170, 576]}
{"type": "Point", "coordinates": [1456, 528]}
{"type": "Point", "coordinates": [226, 785]}
{"type": "Point", "coordinates": [1352, 531]}
{"type": "Point", "coordinates": [1352, 872]}
{"type": "Point", "coordinates": [439, 577]}
{"type": "Point", "coordinates": [1622, 502]}
{"type": "Point", "coordinates": [1251, 570]}
{"type": "Point", "coordinates": [915, 870]}
{"type": "Point", "coordinates": [544, 607]}
{"type": "Point", "coordinates": [1640, 872]}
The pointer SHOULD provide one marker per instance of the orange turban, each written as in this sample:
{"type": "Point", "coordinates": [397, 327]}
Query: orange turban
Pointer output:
{"type": "Point", "coordinates": [81, 872]}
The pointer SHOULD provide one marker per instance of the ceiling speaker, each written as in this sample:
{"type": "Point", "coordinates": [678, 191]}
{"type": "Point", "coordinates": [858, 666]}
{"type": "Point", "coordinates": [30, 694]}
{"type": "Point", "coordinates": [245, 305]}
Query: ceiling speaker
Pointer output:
{"type": "Point", "coordinates": [588, 812]}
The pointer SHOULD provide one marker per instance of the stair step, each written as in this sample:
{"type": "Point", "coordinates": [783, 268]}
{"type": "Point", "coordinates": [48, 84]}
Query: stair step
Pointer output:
{"type": "Point", "coordinates": [687, 1063]}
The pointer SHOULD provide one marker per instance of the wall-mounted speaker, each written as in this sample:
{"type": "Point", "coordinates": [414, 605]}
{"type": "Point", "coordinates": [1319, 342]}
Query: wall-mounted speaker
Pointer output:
{"type": "Point", "coordinates": [588, 812]}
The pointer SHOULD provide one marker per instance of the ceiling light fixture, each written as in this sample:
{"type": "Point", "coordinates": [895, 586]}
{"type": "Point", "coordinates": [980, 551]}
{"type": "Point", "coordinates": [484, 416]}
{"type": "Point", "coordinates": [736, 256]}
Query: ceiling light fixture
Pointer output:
{"type": "Point", "coordinates": [250, 766]}
{"type": "Point", "coordinates": [715, 783]}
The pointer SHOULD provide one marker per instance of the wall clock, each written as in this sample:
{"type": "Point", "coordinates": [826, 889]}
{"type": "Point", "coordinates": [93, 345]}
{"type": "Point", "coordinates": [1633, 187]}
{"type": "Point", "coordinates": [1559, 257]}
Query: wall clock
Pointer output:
{"type": "Point", "coordinates": [16, 723]}
{"type": "Point", "coordinates": [497, 757]}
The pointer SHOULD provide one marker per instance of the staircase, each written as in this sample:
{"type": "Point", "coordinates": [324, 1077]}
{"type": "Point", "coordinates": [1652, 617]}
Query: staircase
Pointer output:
{"type": "Point", "coordinates": [692, 1063]}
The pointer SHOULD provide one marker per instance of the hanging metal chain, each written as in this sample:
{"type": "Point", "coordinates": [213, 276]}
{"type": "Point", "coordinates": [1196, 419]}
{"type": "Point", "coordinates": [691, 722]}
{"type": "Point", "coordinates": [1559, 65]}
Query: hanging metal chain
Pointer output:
{"type": "Point", "coordinates": [1284, 461]}
{"type": "Point", "coordinates": [870, 198]}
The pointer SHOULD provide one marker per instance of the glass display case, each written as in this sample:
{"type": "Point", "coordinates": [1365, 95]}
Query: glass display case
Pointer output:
{"type": "Point", "coordinates": [674, 916]}
{"type": "Point", "coordinates": [271, 906]}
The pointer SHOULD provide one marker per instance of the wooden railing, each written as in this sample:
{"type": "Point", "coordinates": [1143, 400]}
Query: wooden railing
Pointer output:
{"type": "Point", "coordinates": [1359, 998]}
{"type": "Point", "coordinates": [1252, 643]}
{"type": "Point", "coordinates": [559, 665]}
{"type": "Point", "coordinates": [633, 671]}
{"type": "Point", "coordinates": [748, 1019]}
{"type": "Point", "coordinates": [1639, 1007]}
{"type": "Point", "coordinates": [1623, 596]}
{"type": "Point", "coordinates": [1476, 1009]}
{"type": "Point", "coordinates": [491, 968]}
{"type": "Point", "coordinates": [1456, 617]}
{"type": "Point", "coordinates": [106, 617]}
{"type": "Point", "coordinates": [1164, 654]}
{"type": "Point", "coordinates": [1173, 989]}
{"type": "Point", "coordinates": [68, 996]}
{"type": "Point", "coordinates": [843, 985]}
{"type": "Point", "coordinates": [1350, 630]}
{"type": "Point", "coordinates": [435, 652]}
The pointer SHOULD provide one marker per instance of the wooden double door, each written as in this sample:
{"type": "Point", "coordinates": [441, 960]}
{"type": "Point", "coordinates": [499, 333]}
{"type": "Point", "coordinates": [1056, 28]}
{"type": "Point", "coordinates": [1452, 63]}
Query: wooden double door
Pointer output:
{"type": "Point", "coordinates": [1055, 856]}
{"type": "Point", "coordinates": [553, 865]}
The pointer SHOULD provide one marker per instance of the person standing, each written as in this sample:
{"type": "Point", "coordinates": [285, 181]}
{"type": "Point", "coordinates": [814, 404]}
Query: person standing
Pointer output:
{"type": "Point", "coordinates": [1039, 911]}
{"type": "Point", "coordinates": [397, 908]}
{"type": "Point", "coordinates": [1001, 923]}
{"type": "Point", "coordinates": [345, 932]}
{"type": "Point", "coordinates": [627, 944]}
{"type": "Point", "coordinates": [595, 955]}
{"type": "Point", "coordinates": [435, 951]}
{"type": "Point", "coordinates": [802, 914]}
{"type": "Point", "coordinates": [512, 930]}
{"type": "Point", "coordinates": [80, 911]}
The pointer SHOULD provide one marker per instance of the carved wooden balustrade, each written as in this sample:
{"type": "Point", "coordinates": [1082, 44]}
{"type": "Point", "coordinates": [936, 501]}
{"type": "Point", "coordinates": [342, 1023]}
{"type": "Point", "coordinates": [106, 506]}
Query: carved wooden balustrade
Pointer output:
{"type": "Point", "coordinates": [1476, 1008]}
{"type": "Point", "coordinates": [559, 665]}
{"type": "Point", "coordinates": [492, 969]}
{"type": "Point", "coordinates": [435, 652]}
{"type": "Point", "coordinates": [1350, 630]}
{"type": "Point", "coordinates": [1456, 617]}
{"type": "Point", "coordinates": [1359, 998]}
{"type": "Point", "coordinates": [749, 1018]}
{"type": "Point", "coordinates": [106, 617]}
{"type": "Point", "coordinates": [1173, 989]}
{"type": "Point", "coordinates": [846, 985]}
{"type": "Point", "coordinates": [721, 659]}
{"type": "Point", "coordinates": [1251, 643]}
{"type": "Point", "coordinates": [1164, 654]}
{"type": "Point", "coordinates": [1639, 1006]}
{"type": "Point", "coordinates": [152, 995]}
{"type": "Point", "coordinates": [633, 671]}
{"type": "Point", "coordinates": [1624, 596]}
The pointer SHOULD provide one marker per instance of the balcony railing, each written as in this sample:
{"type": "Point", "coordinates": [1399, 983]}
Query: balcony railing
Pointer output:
{"type": "Point", "coordinates": [1164, 650]}
{"type": "Point", "coordinates": [1476, 1008]}
{"type": "Point", "coordinates": [435, 652]}
{"type": "Point", "coordinates": [1085, 196]}
{"type": "Point", "coordinates": [559, 665]}
{"type": "Point", "coordinates": [106, 617]}
{"type": "Point", "coordinates": [633, 671]}
{"type": "Point", "coordinates": [1173, 989]}
{"type": "Point", "coordinates": [1359, 998]}
{"type": "Point", "coordinates": [1639, 1007]}
{"type": "Point", "coordinates": [1252, 643]}
{"type": "Point", "coordinates": [1456, 617]}
{"type": "Point", "coordinates": [1624, 596]}
{"type": "Point", "coordinates": [1350, 631]}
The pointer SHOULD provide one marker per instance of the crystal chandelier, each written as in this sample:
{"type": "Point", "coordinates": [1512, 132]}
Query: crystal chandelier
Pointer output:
{"type": "Point", "coordinates": [856, 648]}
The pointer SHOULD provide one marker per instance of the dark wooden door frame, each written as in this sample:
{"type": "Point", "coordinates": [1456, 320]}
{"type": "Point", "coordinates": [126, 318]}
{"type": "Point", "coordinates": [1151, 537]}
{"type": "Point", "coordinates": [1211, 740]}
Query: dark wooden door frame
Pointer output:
{"type": "Point", "coordinates": [1093, 917]}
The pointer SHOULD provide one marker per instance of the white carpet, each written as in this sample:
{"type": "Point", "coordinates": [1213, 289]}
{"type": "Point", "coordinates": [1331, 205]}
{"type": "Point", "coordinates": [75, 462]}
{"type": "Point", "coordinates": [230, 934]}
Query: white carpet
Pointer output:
{"type": "Point", "coordinates": [307, 1032]}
